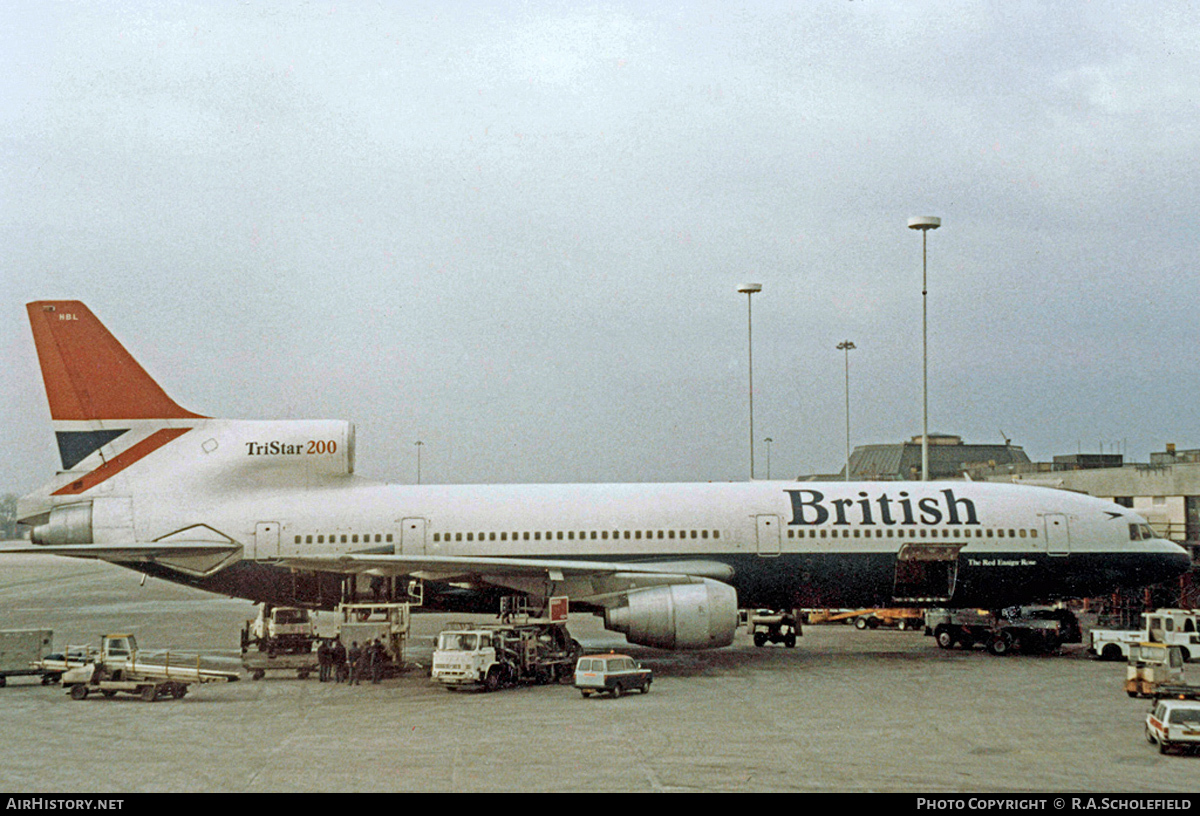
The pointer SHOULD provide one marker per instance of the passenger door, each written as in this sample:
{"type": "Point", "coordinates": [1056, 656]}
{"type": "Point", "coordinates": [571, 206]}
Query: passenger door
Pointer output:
{"type": "Point", "coordinates": [1058, 534]}
{"type": "Point", "coordinates": [769, 534]}
{"type": "Point", "coordinates": [412, 536]}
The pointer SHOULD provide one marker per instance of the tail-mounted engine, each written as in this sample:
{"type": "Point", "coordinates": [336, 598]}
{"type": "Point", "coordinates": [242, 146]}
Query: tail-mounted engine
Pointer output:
{"type": "Point", "coordinates": [68, 524]}
{"type": "Point", "coordinates": [680, 616]}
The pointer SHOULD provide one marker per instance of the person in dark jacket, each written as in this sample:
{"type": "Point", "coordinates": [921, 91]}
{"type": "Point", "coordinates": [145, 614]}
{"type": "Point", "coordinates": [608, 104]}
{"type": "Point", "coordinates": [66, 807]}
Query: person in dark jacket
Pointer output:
{"type": "Point", "coordinates": [356, 663]}
{"type": "Point", "coordinates": [340, 673]}
{"type": "Point", "coordinates": [324, 660]}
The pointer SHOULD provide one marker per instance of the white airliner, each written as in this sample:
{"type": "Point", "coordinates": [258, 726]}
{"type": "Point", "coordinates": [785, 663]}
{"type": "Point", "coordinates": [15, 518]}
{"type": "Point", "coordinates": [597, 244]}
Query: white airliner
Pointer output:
{"type": "Point", "coordinates": [271, 511]}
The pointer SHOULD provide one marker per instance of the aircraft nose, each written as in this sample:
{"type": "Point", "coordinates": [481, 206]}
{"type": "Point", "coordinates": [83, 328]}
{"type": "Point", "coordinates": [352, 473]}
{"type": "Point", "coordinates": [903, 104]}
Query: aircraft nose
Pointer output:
{"type": "Point", "coordinates": [1167, 563]}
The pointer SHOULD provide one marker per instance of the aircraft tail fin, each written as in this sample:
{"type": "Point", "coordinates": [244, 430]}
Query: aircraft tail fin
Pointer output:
{"type": "Point", "coordinates": [88, 373]}
{"type": "Point", "coordinates": [94, 386]}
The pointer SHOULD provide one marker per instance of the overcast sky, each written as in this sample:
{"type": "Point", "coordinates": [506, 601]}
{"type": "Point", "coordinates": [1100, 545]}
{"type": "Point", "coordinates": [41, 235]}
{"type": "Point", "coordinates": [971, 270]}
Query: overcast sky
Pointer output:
{"type": "Point", "coordinates": [515, 231]}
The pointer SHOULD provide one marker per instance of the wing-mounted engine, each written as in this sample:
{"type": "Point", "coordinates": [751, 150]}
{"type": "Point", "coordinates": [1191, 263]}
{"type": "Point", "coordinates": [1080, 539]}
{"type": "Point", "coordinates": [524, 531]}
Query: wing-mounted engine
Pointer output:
{"type": "Point", "coordinates": [681, 616]}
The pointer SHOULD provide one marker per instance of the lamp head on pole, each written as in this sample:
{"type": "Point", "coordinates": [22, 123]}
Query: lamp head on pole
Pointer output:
{"type": "Point", "coordinates": [750, 288]}
{"type": "Point", "coordinates": [924, 222]}
{"type": "Point", "coordinates": [846, 345]}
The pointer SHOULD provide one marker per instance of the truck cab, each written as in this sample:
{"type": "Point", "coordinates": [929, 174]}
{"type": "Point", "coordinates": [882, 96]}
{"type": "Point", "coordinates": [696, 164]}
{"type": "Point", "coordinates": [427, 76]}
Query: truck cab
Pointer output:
{"type": "Point", "coordinates": [282, 629]}
{"type": "Point", "coordinates": [118, 647]}
{"type": "Point", "coordinates": [465, 657]}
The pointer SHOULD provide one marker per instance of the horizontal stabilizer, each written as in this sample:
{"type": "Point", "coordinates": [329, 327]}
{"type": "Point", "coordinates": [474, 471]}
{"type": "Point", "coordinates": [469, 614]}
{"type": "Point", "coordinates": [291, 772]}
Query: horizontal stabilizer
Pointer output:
{"type": "Point", "coordinates": [129, 552]}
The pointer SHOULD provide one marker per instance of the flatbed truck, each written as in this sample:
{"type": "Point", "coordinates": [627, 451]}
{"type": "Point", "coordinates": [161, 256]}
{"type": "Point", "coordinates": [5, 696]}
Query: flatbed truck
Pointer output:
{"type": "Point", "coordinates": [118, 668]}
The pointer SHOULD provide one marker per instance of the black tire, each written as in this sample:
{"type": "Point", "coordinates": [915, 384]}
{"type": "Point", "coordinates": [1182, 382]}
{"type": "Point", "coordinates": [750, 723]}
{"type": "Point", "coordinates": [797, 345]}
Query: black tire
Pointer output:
{"type": "Point", "coordinates": [790, 641]}
{"type": "Point", "coordinates": [760, 639]}
{"type": "Point", "coordinates": [616, 691]}
{"type": "Point", "coordinates": [148, 694]}
{"type": "Point", "coordinates": [1001, 644]}
{"type": "Point", "coordinates": [1162, 746]}
{"type": "Point", "coordinates": [944, 637]}
{"type": "Point", "coordinates": [1110, 652]}
{"type": "Point", "coordinates": [79, 691]}
{"type": "Point", "coordinates": [584, 693]}
{"type": "Point", "coordinates": [492, 681]}
{"type": "Point", "coordinates": [646, 687]}
{"type": "Point", "coordinates": [108, 695]}
{"type": "Point", "coordinates": [1149, 734]}
{"type": "Point", "coordinates": [860, 623]}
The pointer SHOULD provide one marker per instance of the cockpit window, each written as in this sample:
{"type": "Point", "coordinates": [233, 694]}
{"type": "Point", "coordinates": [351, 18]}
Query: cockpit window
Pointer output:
{"type": "Point", "coordinates": [1140, 532]}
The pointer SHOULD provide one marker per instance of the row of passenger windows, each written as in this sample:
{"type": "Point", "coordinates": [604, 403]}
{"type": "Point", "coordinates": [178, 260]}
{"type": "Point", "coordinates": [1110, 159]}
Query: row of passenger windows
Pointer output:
{"type": "Point", "coordinates": [582, 535]}
{"type": "Point", "coordinates": [891, 532]}
{"type": "Point", "coordinates": [347, 538]}
{"type": "Point", "coordinates": [640, 535]}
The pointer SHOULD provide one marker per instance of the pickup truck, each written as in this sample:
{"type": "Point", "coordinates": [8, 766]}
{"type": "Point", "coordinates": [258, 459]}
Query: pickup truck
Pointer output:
{"type": "Point", "coordinates": [1178, 627]}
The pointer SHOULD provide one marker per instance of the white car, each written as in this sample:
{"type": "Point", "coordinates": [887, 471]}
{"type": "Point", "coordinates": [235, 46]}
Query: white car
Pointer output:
{"type": "Point", "coordinates": [1174, 724]}
{"type": "Point", "coordinates": [615, 674]}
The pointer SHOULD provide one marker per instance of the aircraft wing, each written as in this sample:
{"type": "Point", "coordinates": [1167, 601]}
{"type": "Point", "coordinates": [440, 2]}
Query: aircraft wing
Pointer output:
{"type": "Point", "coordinates": [599, 582]}
{"type": "Point", "coordinates": [193, 557]}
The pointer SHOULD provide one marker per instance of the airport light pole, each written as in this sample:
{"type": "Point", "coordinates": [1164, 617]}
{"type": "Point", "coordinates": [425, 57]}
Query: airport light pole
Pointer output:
{"type": "Point", "coordinates": [749, 289]}
{"type": "Point", "coordinates": [420, 445]}
{"type": "Point", "coordinates": [847, 346]}
{"type": "Point", "coordinates": [924, 223]}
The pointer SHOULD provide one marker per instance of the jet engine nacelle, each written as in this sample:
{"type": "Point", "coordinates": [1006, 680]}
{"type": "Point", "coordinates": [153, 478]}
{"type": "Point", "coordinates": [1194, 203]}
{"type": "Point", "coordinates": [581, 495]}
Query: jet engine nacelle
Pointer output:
{"type": "Point", "coordinates": [683, 616]}
{"type": "Point", "coordinates": [68, 524]}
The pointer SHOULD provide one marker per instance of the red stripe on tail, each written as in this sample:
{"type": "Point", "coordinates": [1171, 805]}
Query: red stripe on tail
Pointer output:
{"type": "Point", "coordinates": [121, 461]}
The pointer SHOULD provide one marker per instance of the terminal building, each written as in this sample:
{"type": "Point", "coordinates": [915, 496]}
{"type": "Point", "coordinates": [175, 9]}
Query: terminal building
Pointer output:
{"type": "Point", "coordinates": [949, 458]}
